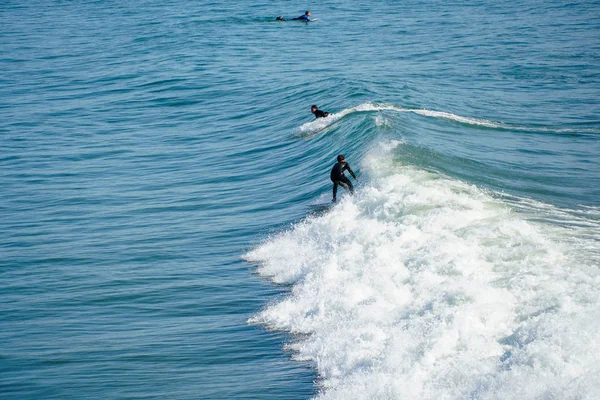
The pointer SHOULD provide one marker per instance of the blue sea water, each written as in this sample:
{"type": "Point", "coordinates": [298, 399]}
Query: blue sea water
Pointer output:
{"type": "Point", "coordinates": [162, 233]}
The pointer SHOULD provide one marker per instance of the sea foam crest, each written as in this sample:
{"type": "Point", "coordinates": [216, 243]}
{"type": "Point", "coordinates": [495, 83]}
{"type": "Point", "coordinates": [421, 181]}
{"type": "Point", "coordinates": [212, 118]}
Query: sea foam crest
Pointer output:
{"type": "Point", "coordinates": [425, 287]}
{"type": "Point", "coordinates": [321, 124]}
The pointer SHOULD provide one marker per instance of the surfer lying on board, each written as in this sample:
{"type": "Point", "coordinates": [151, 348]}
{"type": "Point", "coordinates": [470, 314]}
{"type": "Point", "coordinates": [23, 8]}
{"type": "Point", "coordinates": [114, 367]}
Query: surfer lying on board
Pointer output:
{"type": "Point", "coordinates": [338, 177]}
{"type": "Point", "coordinates": [304, 17]}
{"type": "Point", "coordinates": [318, 113]}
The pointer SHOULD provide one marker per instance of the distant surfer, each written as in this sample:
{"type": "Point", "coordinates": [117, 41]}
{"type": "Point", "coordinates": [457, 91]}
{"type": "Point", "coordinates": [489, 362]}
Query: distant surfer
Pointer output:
{"type": "Point", "coordinates": [304, 17]}
{"type": "Point", "coordinates": [338, 177]}
{"type": "Point", "coordinates": [318, 113]}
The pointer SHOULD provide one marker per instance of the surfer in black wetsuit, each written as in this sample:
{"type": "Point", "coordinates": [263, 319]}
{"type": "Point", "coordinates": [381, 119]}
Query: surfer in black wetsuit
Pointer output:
{"type": "Point", "coordinates": [338, 177]}
{"type": "Point", "coordinates": [318, 113]}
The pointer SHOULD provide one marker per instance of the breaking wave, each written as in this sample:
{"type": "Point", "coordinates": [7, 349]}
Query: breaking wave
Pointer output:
{"type": "Point", "coordinates": [422, 286]}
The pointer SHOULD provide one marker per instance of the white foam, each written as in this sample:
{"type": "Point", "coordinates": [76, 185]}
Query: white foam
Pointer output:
{"type": "Point", "coordinates": [321, 124]}
{"type": "Point", "coordinates": [458, 118]}
{"type": "Point", "coordinates": [381, 121]}
{"type": "Point", "coordinates": [423, 287]}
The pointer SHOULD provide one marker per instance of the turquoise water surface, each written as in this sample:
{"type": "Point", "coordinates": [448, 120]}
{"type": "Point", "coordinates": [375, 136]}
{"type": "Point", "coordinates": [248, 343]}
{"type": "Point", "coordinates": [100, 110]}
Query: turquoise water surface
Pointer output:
{"type": "Point", "coordinates": [162, 224]}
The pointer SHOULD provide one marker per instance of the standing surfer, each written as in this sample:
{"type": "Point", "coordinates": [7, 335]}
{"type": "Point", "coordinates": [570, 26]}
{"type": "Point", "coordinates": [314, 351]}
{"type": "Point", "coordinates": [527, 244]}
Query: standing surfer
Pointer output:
{"type": "Point", "coordinates": [338, 178]}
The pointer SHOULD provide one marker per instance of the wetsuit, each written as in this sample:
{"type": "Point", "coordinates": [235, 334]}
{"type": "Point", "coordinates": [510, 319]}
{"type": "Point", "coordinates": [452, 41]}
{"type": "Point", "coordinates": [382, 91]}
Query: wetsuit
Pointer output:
{"type": "Point", "coordinates": [302, 18]}
{"type": "Point", "coordinates": [320, 114]}
{"type": "Point", "coordinates": [338, 177]}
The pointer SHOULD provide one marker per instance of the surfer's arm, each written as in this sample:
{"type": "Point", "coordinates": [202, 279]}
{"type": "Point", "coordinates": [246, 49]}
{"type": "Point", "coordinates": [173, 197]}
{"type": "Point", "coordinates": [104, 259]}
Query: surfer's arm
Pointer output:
{"type": "Point", "coordinates": [351, 172]}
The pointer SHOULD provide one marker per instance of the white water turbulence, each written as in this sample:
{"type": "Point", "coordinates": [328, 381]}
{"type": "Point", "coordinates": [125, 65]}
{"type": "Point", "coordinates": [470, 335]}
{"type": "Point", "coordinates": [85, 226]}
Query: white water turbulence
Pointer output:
{"type": "Point", "coordinates": [321, 124]}
{"type": "Point", "coordinates": [424, 287]}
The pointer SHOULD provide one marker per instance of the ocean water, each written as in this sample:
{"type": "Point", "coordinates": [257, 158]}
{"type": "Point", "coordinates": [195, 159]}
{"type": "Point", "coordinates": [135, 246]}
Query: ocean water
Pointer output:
{"type": "Point", "coordinates": [163, 232]}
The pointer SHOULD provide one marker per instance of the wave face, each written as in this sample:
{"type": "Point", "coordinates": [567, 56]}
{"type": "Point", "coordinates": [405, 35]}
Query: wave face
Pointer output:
{"type": "Point", "coordinates": [422, 286]}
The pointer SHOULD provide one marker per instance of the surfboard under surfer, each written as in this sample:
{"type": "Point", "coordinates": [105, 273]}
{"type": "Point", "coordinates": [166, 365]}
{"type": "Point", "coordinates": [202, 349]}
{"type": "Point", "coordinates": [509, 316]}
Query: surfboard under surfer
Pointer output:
{"type": "Point", "coordinates": [338, 178]}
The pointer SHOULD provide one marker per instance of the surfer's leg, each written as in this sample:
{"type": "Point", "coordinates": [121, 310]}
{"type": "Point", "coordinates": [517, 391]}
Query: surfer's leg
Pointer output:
{"type": "Point", "coordinates": [347, 182]}
{"type": "Point", "coordinates": [335, 185]}
{"type": "Point", "coordinates": [342, 184]}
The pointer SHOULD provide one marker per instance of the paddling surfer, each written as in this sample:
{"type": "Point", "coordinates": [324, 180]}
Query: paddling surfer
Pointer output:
{"type": "Point", "coordinates": [318, 113]}
{"type": "Point", "coordinates": [304, 17]}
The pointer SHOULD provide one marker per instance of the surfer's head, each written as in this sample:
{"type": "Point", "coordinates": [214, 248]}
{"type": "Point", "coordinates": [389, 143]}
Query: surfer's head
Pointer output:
{"type": "Point", "coordinates": [341, 158]}
{"type": "Point", "coordinates": [307, 13]}
{"type": "Point", "coordinates": [313, 108]}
